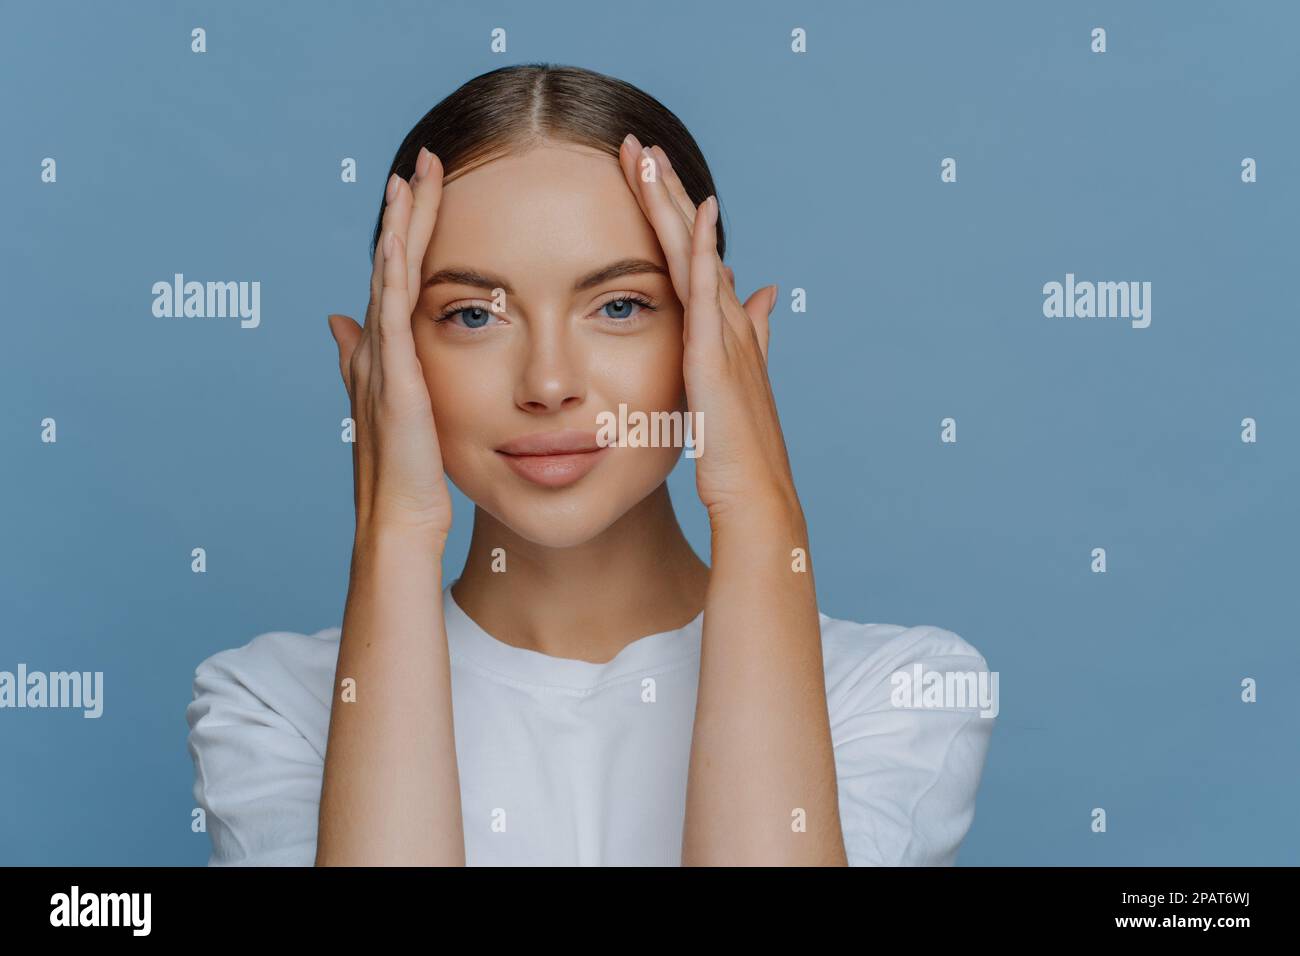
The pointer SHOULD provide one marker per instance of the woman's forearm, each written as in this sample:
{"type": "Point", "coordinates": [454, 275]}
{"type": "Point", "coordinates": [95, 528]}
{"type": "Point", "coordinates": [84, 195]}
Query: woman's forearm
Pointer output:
{"type": "Point", "coordinates": [761, 787]}
{"type": "Point", "coordinates": [391, 790]}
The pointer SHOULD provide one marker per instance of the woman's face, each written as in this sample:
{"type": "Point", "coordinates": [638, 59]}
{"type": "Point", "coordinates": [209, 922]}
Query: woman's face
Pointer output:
{"type": "Point", "coordinates": [564, 344]}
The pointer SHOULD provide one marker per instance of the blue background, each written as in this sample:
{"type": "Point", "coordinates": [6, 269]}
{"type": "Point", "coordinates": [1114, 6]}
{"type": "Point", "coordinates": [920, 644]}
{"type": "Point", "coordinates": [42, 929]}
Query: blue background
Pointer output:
{"type": "Point", "coordinates": [1119, 690]}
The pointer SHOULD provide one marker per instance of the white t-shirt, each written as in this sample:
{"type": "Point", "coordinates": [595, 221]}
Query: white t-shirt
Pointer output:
{"type": "Point", "coordinates": [568, 762]}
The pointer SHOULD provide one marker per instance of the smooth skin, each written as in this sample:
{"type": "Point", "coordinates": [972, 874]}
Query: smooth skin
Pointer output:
{"type": "Point", "coordinates": [761, 786]}
{"type": "Point", "coordinates": [390, 794]}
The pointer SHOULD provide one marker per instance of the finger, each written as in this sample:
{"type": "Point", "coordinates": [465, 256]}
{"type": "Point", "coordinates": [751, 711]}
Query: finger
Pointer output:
{"type": "Point", "coordinates": [396, 218]}
{"type": "Point", "coordinates": [635, 165]}
{"type": "Point", "coordinates": [681, 199]}
{"type": "Point", "coordinates": [395, 299]}
{"type": "Point", "coordinates": [426, 188]}
{"type": "Point", "coordinates": [672, 232]}
{"type": "Point", "coordinates": [759, 309]}
{"type": "Point", "coordinates": [396, 347]}
{"type": "Point", "coordinates": [676, 191]}
{"type": "Point", "coordinates": [346, 334]}
{"type": "Point", "coordinates": [376, 282]}
{"type": "Point", "coordinates": [364, 352]}
{"type": "Point", "coordinates": [703, 314]}
{"type": "Point", "coordinates": [641, 168]}
{"type": "Point", "coordinates": [392, 194]}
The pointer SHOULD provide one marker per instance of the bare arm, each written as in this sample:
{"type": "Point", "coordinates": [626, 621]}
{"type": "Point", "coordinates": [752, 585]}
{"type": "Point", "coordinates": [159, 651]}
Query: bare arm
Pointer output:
{"type": "Point", "coordinates": [761, 786]}
{"type": "Point", "coordinates": [391, 790]}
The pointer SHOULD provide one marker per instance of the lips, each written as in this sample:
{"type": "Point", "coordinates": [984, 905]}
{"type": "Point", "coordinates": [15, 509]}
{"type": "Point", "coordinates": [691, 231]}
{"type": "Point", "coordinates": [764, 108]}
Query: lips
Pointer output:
{"type": "Point", "coordinates": [551, 443]}
{"type": "Point", "coordinates": [553, 459]}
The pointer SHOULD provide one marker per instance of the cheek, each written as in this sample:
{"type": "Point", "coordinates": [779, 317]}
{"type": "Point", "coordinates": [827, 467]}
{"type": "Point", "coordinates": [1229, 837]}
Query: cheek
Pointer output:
{"type": "Point", "coordinates": [647, 377]}
{"type": "Point", "coordinates": [648, 374]}
{"type": "Point", "coordinates": [461, 392]}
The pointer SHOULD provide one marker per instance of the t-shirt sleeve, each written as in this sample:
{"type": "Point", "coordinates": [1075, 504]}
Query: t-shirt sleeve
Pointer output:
{"type": "Point", "coordinates": [256, 776]}
{"type": "Point", "coordinates": [908, 762]}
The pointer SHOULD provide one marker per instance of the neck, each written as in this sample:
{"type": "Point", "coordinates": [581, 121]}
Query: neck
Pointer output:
{"type": "Point", "coordinates": [639, 576]}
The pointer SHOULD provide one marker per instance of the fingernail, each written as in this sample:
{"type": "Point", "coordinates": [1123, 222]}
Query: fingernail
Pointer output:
{"type": "Point", "coordinates": [776, 290]}
{"type": "Point", "coordinates": [391, 192]}
{"type": "Point", "coordinates": [627, 141]}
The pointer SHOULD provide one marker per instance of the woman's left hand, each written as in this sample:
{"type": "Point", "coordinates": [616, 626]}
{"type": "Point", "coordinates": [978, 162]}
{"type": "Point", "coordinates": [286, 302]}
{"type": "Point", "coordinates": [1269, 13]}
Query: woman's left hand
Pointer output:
{"type": "Point", "coordinates": [743, 465]}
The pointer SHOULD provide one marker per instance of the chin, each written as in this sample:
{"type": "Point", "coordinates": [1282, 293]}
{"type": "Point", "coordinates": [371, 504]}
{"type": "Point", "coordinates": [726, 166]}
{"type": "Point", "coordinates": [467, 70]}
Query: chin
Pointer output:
{"type": "Point", "coordinates": [549, 518]}
{"type": "Point", "coordinates": [556, 525]}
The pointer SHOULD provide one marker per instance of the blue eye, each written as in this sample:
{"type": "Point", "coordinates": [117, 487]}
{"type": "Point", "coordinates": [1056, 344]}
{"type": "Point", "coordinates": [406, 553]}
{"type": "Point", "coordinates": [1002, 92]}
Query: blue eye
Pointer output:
{"type": "Point", "coordinates": [623, 304]}
{"type": "Point", "coordinates": [474, 317]}
{"type": "Point", "coordinates": [625, 310]}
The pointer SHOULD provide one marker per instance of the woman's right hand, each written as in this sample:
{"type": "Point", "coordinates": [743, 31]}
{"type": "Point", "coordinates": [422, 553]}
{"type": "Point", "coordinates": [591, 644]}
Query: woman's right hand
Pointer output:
{"type": "Point", "coordinates": [396, 462]}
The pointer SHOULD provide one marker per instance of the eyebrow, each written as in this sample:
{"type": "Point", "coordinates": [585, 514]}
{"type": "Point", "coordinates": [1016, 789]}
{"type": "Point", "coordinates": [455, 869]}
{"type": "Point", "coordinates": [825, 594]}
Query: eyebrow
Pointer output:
{"type": "Point", "coordinates": [472, 277]}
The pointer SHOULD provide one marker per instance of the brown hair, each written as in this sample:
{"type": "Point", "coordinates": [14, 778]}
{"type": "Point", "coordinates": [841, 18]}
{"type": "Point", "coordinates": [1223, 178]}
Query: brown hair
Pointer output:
{"type": "Point", "coordinates": [521, 105]}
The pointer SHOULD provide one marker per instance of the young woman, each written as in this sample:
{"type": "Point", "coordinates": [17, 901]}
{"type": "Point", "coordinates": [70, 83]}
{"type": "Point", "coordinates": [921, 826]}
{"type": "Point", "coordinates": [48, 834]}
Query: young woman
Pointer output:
{"type": "Point", "coordinates": [587, 690]}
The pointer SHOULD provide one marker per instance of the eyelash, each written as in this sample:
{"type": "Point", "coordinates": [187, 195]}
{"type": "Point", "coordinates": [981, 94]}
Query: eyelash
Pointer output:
{"type": "Point", "coordinates": [646, 305]}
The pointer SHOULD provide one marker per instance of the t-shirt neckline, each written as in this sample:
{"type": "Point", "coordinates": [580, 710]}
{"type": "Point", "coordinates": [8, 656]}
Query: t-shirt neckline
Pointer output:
{"type": "Point", "coordinates": [469, 641]}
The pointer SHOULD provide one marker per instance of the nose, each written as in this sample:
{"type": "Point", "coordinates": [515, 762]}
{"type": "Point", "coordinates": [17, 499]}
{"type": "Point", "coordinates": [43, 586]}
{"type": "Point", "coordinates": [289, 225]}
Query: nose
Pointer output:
{"type": "Point", "coordinates": [553, 375]}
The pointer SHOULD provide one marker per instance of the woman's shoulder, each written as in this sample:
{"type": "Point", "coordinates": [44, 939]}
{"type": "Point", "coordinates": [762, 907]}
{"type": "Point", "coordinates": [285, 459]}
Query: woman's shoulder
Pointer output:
{"type": "Point", "coordinates": [276, 655]}
{"type": "Point", "coordinates": [911, 712]}
{"type": "Point", "coordinates": [852, 647]}
{"type": "Point", "coordinates": [259, 722]}
{"type": "Point", "coordinates": [901, 670]}
{"type": "Point", "coordinates": [286, 673]}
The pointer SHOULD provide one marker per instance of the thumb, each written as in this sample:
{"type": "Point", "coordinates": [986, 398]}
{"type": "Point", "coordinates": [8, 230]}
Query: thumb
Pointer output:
{"type": "Point", "coordinates": [758, 307]}
{"type": "Point", "coordinates": [346, 335]}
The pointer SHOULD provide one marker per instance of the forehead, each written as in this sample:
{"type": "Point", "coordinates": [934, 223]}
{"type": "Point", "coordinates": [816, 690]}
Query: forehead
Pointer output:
{"type": "Point", "coordinates": [540, 217]}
